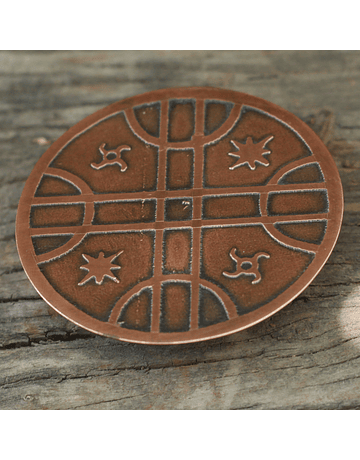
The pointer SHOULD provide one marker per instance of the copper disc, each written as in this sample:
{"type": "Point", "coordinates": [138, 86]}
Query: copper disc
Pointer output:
{"type": "Point", "coordinates": [179, 215]}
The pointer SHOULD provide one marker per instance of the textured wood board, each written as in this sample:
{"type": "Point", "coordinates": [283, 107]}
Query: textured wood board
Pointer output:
{"type": "Point", "coordinates": [305, 357]}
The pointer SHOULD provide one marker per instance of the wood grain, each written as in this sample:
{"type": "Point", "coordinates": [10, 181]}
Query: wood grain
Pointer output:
{"type": "Point", "coordinates": [305, 357]}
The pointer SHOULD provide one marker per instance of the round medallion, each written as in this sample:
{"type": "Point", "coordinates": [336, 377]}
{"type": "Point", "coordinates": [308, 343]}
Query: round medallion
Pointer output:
{"type": "Point", "coordinates": [179, 215]}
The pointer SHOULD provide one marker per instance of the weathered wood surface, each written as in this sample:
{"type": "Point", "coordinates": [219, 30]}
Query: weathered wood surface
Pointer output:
{"type": "Point", "coordinates": [305, 357]}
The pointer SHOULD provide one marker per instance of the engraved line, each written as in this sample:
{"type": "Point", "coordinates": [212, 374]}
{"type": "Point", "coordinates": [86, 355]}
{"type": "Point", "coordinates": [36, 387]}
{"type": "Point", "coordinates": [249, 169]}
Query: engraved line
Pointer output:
{"type": "Point", "coordinates": [290, 242]}
{"type": "Point", "coordinates": [263, 204]}
{"type": "Point", "coordinates": [136, 128]}
{"type": "Point", "coordinates": [148, 139]}
{"type": "Point", "coordinates": [116, 311]}
{"type": "Point", "coordinates": [225, 299]}
{"type": "Point", "coordinates": [204, 223]}
{"type": "Point", "coordinates": [304, 166]}
{"type": "Point", "coordinates": [195, 269]}
{"type": "Point", "coordinates": [226, 127]}
{"type": "Point", "coordinates": [62, 250]}
{"type": "Point", "coordinates": [156, 299]}
{"type": "Point", "coordinates": [69, 177]}
{"type": "Point", "coordinates": [163, 142]}
{"type": "Point", "coordinates": [282, 122]}
{"type": "Point", "coordinates": [162, 153]}
{"type": "Point", "coordinates": [73, 242]}
{"type": "Point", "coordinates": [161, 194]}
{"type": "Point", "coordinates": [288, 167]}
{"type": "Point", "coordinates": [197, 209]}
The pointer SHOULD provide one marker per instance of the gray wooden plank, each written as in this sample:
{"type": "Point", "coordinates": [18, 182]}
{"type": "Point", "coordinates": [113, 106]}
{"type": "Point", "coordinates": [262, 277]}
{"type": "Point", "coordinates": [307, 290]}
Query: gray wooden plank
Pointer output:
{"type": "Point", "coordinates": [304, 357]}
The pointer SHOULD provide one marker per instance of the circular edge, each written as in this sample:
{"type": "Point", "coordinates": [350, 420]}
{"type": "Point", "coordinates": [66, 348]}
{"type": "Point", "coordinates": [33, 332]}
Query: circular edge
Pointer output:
{"type": "Point", "coordinates": [334, 187]}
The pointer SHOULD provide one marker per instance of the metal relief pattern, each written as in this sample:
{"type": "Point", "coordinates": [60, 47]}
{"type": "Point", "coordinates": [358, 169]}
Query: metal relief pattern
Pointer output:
{"type": "Point", "coordinates": [178, 216]}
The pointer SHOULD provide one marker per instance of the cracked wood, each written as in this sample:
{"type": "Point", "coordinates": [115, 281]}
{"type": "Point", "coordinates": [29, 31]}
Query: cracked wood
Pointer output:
{"type": "Point", "coordinates": [307, 356]}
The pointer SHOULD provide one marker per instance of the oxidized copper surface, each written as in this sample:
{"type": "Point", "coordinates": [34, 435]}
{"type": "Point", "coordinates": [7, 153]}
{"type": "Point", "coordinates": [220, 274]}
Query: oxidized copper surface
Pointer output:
{"type": "Point", "coordinates": [179, 215]}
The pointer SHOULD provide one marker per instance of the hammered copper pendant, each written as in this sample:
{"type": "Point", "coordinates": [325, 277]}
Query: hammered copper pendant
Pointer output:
{"type": "Point", "coordinates": [179, 215]}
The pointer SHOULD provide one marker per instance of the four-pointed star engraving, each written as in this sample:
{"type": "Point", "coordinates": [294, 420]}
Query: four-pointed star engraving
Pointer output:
{"type": "Point", "coordinates": [250, 153]}
{"type": "Point", "coordinates": [100, 267]}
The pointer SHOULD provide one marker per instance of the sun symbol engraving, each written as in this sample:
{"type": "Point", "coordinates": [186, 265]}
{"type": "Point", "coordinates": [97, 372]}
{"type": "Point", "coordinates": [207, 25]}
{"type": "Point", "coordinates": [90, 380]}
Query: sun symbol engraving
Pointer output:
{"type": "Point", "coordinates": [100, 267]}
{"type": "Point", "coordinates": [250, 153]}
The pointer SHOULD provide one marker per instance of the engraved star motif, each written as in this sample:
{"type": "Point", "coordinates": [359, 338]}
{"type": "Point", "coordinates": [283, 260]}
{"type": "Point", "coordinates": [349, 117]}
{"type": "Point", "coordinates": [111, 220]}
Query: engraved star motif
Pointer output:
{"type": "Point", "coordinates": [99, 267]}
{"type": "Point", "coordinates": [250, 153]}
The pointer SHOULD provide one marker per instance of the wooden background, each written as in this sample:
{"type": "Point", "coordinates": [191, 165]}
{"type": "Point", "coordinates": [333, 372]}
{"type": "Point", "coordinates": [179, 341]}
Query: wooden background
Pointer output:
{"type": "Point", "coordinates": [305, 357]}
